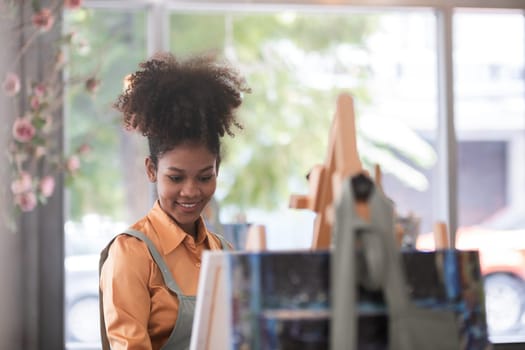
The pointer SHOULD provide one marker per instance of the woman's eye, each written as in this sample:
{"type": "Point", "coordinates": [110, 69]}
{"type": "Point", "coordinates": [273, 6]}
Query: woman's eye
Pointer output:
{"type": "Point", "coordinates": [176, 178]}
{"type": "Point", "coordinates": [206, 178]}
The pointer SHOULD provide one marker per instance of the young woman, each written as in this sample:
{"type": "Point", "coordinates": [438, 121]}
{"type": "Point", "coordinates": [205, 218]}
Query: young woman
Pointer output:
{"type": "Point", "coordinates": [149, 273]}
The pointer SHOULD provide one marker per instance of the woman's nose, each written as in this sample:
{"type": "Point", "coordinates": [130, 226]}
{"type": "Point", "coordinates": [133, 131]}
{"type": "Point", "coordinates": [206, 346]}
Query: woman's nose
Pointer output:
{"type": "Point", "coordinates": [189, 189]}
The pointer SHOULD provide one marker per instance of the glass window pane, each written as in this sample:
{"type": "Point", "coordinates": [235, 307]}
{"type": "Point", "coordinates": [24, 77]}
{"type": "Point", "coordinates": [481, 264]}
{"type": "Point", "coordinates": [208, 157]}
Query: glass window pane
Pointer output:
{"type": "Point", "coordinates": [107, 190]}
{"type": "Point", "coordinates": [490, 123]}
{"type": "Point", "coordinates": [297, 64]}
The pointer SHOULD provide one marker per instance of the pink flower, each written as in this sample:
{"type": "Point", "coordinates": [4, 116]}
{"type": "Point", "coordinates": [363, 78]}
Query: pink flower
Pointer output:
{"type": "Point", "coordinates": [23, 130]}
{"type": "Point", "coordinates": [23, 183]}
{"type": "Point", "coordinates": [26, 201]}
{"type": "Point", "coordinates": [43, 20]}
{"type": "Point", "coordinates": [34, 102]}
{"type": "Point", "coordinates": [84, 149]}
{"type": "Point", "coordinates": [11, 84]}
{"type": "Point", "coordinates": [72, 4]}
{"type": "Point", "coordinates": [39, 90]}
{"type": "Point", "coordinates": [47, 185]}
{"type": "Point", "coordinates": [73, 164]}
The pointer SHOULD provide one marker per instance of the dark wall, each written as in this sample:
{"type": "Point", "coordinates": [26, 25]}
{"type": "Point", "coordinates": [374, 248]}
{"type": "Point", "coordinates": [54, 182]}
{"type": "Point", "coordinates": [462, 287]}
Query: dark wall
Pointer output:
{"type": "Point", "coordinates": [10, 245]}
{"type": "Point", "coordinates": [32, 254]}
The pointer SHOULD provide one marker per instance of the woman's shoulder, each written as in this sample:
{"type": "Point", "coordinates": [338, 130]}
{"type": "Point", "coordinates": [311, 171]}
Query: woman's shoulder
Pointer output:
{"type": "Point", "coordinates": [126, 249]}
{"type": "Point", "coordinates": [129, 236]}
{"type": "Point", "coordinates": [127, 256]}
{"type": "Point", "coordinates": [129, 244]}
{"type": "Point", "coordinates": [131, 240]}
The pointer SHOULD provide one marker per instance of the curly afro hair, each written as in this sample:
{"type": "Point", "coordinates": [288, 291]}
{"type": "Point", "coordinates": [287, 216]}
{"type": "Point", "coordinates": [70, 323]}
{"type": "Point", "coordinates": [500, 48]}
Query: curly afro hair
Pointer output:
{"type": "Point", "coordinates": [173, 101]}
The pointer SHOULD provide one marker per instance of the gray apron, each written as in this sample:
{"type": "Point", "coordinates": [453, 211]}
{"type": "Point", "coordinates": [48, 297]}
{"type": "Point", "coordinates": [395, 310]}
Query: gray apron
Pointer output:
{"type": "Point", "coordinates": [180, 336]}
{"type": "Point", "coordinates": [378, 267]}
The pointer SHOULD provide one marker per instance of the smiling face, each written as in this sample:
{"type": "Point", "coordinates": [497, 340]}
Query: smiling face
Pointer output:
{"type": "Point", "coordinates": [186, 178]}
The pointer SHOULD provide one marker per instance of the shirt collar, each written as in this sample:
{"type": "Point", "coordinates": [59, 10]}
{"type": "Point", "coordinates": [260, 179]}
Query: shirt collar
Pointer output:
{"type": "Point", "coordinates": [169, 233]}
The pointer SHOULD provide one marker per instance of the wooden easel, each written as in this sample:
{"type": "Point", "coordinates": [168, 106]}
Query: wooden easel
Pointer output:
{"type": "Point", "coordinates": [342, 161]}
{"type": "Point", "coordinates": [256, 238]}
{"type": "Point", "coordinates": [441, 236]}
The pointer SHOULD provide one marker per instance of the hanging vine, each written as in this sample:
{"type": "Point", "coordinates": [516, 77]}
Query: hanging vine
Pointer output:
{"type": "Point", "coordinates": [34, 154]}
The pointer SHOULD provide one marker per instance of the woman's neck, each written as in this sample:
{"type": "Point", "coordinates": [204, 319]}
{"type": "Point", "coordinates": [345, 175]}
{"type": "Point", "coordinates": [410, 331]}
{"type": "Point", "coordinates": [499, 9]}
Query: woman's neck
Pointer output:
{"type": "Point", "coordinates": [192, 230]}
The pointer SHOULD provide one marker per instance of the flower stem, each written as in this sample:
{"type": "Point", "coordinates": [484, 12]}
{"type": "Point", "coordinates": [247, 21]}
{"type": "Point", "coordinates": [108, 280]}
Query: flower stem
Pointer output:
{"type": "Point", "coordinates": [24, 48]}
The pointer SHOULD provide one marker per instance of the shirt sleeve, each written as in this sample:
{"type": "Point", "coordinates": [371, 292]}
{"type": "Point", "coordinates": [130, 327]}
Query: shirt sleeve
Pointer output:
{"type": "Point", "coordinates": [126, 302]}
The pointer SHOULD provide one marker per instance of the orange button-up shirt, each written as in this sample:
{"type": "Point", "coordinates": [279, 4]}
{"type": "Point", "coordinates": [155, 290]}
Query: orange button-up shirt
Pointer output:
{"type": "Point", "coordinates": [139, 310]}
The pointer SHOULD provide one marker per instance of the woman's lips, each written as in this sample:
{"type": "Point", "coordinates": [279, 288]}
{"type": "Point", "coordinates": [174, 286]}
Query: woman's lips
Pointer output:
{"type": "Point", "coordinates": [188, 207]}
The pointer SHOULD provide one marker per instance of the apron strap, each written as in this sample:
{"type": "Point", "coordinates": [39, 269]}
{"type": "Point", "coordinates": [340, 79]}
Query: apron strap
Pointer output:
{"type": "Point", "coordinates": [103, 334]}
{"type": "Point", "coordinates": [224, 243]}
{"type": "Point", "coordinates": [166, 274]}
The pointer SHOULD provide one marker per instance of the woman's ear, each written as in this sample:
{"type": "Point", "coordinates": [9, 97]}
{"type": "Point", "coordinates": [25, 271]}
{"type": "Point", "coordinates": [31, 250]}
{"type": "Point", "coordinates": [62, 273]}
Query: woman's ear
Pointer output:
{"type": "Point", "coordinates": [151, 169]}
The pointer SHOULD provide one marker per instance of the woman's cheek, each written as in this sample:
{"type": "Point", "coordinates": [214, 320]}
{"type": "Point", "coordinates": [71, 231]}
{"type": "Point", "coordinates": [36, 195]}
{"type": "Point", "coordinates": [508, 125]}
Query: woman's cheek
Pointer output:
{"type": "Point", "coordinates": [166, 189]}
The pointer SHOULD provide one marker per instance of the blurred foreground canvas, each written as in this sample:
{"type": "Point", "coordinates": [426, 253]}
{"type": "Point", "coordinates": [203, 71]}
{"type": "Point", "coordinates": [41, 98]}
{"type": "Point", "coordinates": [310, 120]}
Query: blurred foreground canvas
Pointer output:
{"type": "Point", "coordinates": [281, 300]}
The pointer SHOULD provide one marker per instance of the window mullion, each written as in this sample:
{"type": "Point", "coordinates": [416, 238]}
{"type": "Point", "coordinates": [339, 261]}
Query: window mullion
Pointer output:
{"type": "Point", "coordinates": [446, 170]}
{"type": "Point", "coordinates": [157, 28]}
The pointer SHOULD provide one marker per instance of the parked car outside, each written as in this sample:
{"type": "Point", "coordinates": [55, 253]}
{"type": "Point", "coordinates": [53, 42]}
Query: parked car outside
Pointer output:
{"type": "Point", "coordinates": [502, 263]}
{"type": "Point", "coordinates": [81, 302]}
{"type": "Point", "coordinates": [83, 242]}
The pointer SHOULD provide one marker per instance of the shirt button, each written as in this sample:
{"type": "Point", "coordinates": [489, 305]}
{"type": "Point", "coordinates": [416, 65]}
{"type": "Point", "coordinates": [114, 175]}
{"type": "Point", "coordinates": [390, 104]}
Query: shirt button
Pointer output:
{"type": "Point", "coordinates": [198, 264]}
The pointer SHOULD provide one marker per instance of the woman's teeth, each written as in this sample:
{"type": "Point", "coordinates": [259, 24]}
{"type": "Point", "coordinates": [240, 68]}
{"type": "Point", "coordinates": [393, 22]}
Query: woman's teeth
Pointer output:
{"type": "Point", "coordinates": [188, 205]}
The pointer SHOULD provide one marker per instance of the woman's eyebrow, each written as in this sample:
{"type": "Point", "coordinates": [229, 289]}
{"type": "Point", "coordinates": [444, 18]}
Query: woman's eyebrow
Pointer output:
{"type": "Point", "coordinates": [211, 167]}
{"type": "Point", "coordinates": [173, 168]}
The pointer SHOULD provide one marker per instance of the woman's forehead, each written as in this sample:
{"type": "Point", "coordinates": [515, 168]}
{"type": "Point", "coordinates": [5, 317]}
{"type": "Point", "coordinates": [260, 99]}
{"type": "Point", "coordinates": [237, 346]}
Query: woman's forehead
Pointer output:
{"type": "Point", "coordinates": [188, 156]}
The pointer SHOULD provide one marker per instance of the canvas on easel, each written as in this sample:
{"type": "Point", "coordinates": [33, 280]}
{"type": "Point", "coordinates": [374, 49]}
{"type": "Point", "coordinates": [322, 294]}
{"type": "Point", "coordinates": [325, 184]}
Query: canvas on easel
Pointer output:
{"type": "Point", "coordinates": [212, 320]}
{"type": "Point", "coordinates": [212, 323]}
